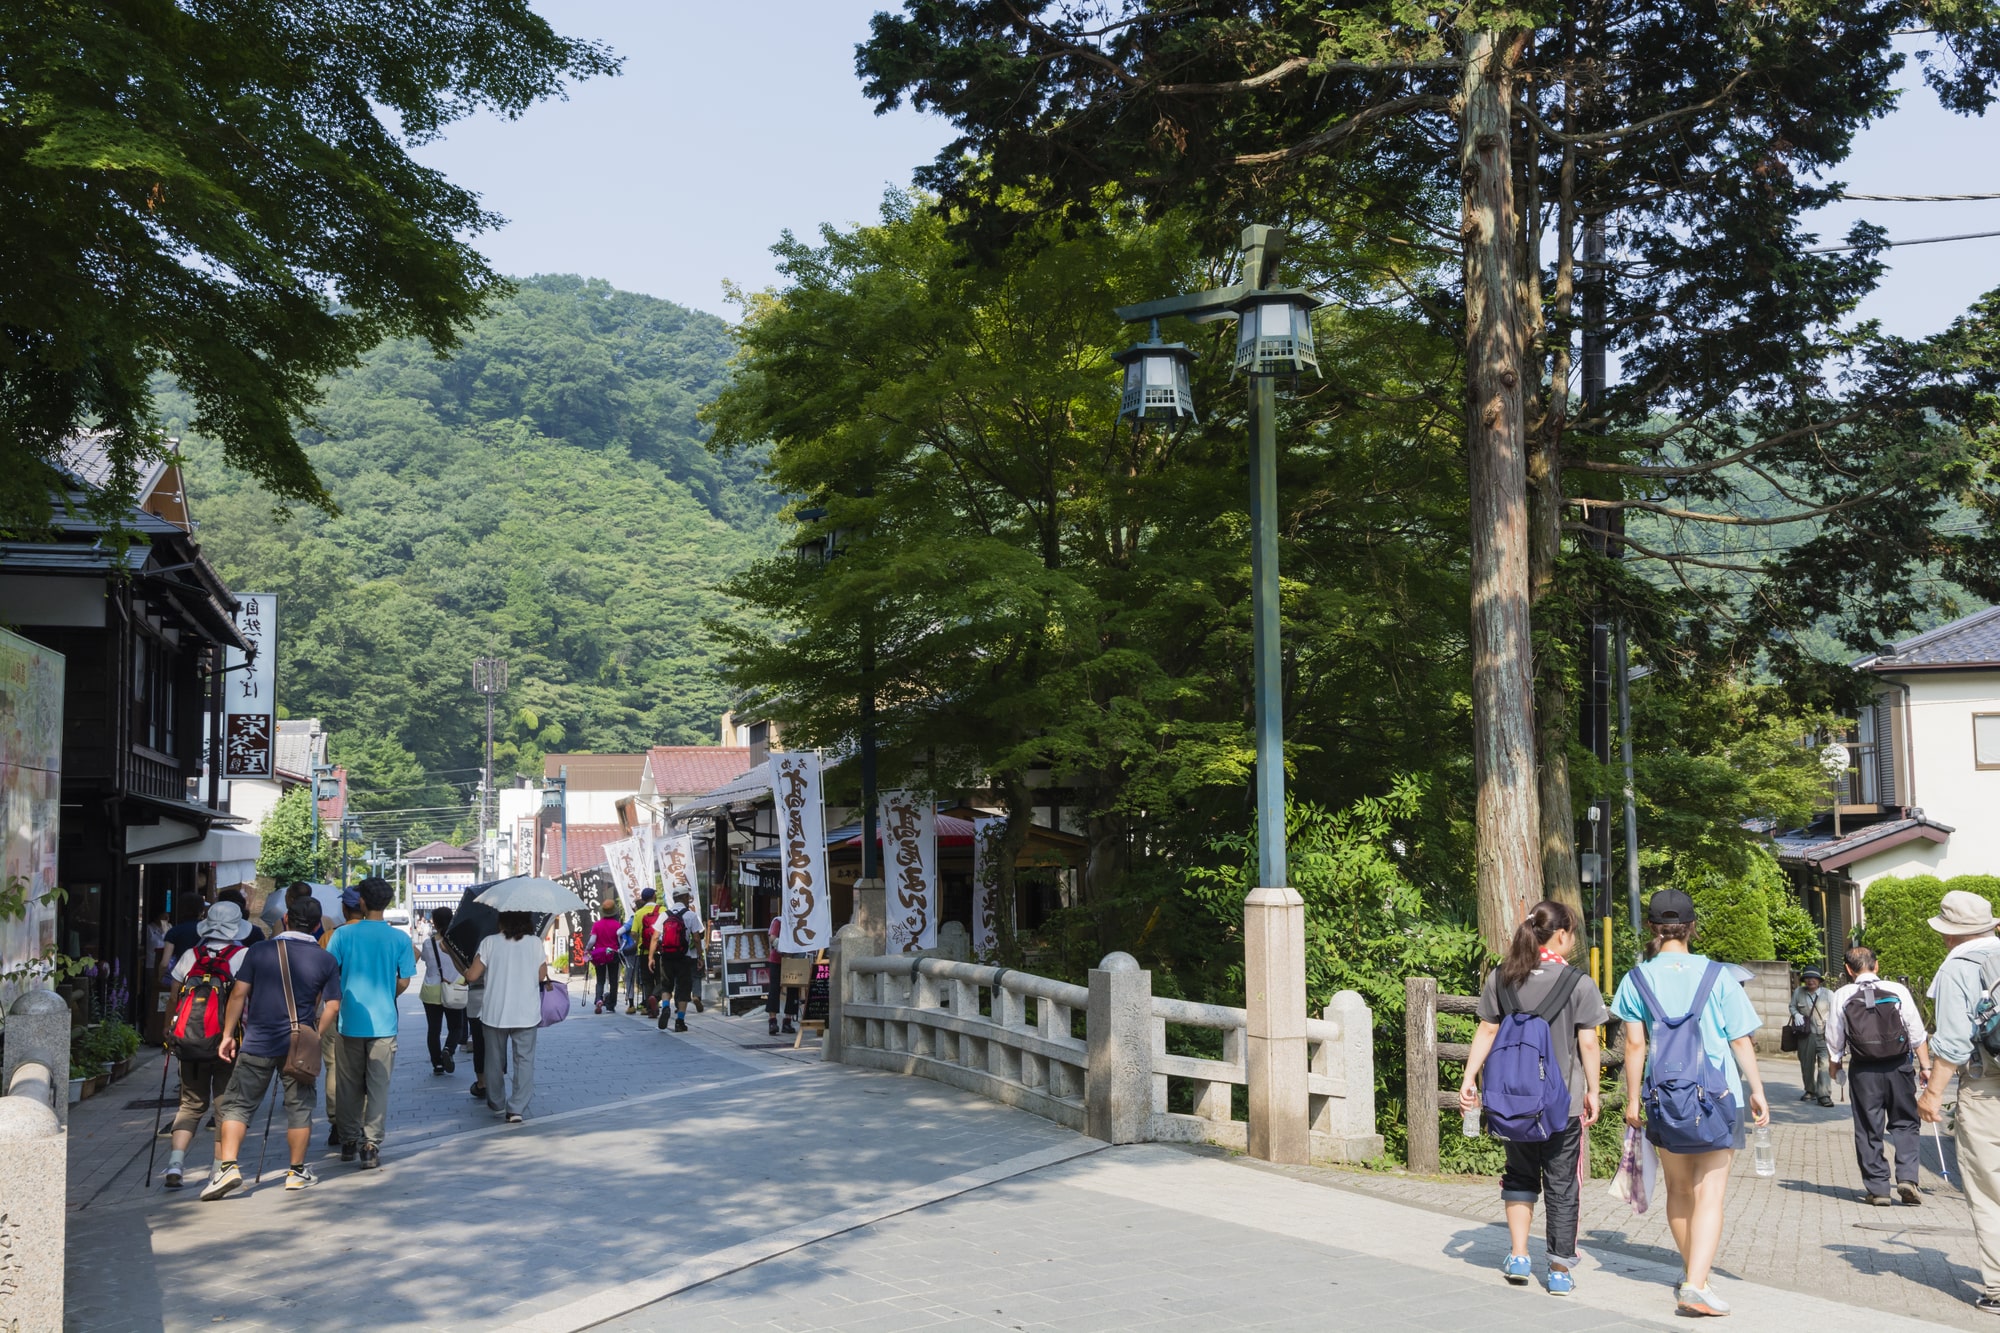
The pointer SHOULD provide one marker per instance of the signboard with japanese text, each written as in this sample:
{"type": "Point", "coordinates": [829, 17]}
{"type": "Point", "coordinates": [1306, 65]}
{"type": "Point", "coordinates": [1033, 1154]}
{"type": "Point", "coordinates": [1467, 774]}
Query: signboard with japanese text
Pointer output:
{"type": "Point", "coordinates": [988, 833]}
{"type": "Point", "coordinates": [250, 717]}
{"type": "Point", "coordinates": [806, 905]}
{"type": "Point", "coordinates": [629, 871]}
{"type": "Point", "coordinates": [677, 874]}
{"type": "Point", "coordinates": [910, 869]}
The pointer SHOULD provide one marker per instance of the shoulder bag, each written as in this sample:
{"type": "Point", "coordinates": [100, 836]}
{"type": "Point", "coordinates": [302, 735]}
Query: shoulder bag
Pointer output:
{"type": "Point", "coordinates": [302, 1057]}
{"type": "Point", "coordinates": [432, 991]}
{"type": "Point", "coordinates": [454, 993]}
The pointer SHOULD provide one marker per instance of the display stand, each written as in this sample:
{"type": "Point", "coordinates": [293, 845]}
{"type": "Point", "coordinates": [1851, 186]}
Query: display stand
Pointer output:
{"type": "Point", "coordinates": [819, 998]}
{"type": "Point", "coordinates": [746, 968]}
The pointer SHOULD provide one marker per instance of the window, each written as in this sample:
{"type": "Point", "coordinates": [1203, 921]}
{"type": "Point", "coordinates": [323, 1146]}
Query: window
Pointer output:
{"type": "Point", "coordinates": [1986, 740]}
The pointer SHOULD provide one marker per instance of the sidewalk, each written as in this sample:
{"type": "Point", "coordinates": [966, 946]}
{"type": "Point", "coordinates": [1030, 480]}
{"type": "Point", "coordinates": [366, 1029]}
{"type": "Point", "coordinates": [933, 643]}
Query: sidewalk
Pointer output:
{"type": "Point", "coordinates": [717, 1180]}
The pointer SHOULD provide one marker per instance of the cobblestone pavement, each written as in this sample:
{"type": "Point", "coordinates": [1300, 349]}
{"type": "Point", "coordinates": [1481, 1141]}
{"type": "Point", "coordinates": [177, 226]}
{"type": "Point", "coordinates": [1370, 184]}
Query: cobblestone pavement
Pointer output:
{"type": "Point", "coordinates": [715, 1181]}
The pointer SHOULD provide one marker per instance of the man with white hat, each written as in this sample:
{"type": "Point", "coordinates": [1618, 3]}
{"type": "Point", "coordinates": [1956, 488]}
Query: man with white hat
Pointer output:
{"type": "Point", "coordinates": [1969, 971]}
{"type": "Point", "coordinates": [209, 967]}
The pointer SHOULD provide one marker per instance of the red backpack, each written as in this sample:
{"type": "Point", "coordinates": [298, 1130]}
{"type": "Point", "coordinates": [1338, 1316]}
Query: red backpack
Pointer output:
{"type": "Point", "coordinates": [195, 1030]}
{"type": "Point", "coordinates": [674, 933]}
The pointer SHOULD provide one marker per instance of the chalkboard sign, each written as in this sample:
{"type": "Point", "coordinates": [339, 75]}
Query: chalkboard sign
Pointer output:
{"type": "Point", "coordinates": [819, 995]}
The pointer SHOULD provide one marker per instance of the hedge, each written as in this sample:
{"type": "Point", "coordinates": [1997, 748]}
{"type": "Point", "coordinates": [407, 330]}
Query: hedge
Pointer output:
{"type": "Point", "coordinates": [1898, 912]}
{"type": "Point", "coordinates": [1733, 916]}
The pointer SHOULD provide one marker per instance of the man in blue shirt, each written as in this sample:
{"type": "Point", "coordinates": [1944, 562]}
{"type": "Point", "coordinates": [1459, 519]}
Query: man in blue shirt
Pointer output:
{"type": "Point", "coordinates": [1966, 922]}
{"type": "Point", "coordinates": [376, 963]}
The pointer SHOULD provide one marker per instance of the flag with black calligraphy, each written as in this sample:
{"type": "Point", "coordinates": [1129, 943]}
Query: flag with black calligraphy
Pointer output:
{"type": "Point", "coordinates": [677, 873]}
{"type": "Point", "coordinates": [987, 832]}
{"type": "Point", "coordinates": [806, 923]}
{"type": "Point", "coordinates": [910, 870]}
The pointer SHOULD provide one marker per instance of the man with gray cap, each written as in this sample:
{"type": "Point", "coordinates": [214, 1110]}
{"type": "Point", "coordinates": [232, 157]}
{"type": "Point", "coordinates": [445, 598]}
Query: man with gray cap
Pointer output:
{"type": "Point", "coordinates": [1812, 1010]}
{"type": "Point", "coordinates": [1970, 969]}
{"type": "Point", "coordinates": [202, 979]}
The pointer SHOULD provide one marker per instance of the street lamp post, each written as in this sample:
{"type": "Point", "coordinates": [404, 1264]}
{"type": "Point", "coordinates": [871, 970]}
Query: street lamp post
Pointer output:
{"type": "Point", "coordinates": [1273, 341]}
{"type": "Point", "coordinates": [555, 796]}
{"type": "Point", "coordinates": [489, 677]}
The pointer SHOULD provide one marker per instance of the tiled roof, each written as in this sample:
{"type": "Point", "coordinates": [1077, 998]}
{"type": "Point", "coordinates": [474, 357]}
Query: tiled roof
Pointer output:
{"type": "Point", "coordinates": [690, 770]}
{"type": "Point", "coordinates": [586, 846]}
{"type": "Point", "coordinates": [1817, 848]}
{"type": "Point", "coordinates": [443, 851]}
{"type": "Point", "coordinates": [597, 772]}
{"type": "Point", "coordinates": [1969, 641]}
{"type": "Point", "coordinates": [300, 744]}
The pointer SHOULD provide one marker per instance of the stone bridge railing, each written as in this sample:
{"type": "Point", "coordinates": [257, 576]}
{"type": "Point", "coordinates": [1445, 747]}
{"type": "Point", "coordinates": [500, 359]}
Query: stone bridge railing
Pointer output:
{"type": "Point", "coordinates": [34, 1161]}
{"type": "Point", "coordinates": [1093, 1058]}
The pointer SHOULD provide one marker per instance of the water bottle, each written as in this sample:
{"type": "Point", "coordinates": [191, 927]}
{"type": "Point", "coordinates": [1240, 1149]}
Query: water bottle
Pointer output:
{"type": "Point", "coordinates": [1763, 1157]}
{"type": "Point", "coordinates": [1468, 1122]}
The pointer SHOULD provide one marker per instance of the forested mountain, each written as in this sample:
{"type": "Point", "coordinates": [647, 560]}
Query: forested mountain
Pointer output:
{"type": "Point", "coordinates": [543, 496]}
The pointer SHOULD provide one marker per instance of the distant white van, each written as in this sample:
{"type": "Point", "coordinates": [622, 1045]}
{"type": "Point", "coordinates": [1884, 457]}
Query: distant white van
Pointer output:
{"type": "Point", "coordinates": [399, 917]}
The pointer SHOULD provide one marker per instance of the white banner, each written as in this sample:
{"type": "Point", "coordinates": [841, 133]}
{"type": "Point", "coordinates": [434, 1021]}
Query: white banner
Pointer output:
{"type": "Point", "coordinates": [676, 854]}
{"type": "Point", "coordinates": [987, 830]}
{"type": "Point", "coordinates": [808, 911]}
{"type": "Point", "coordinates": [250, 710]}
{"type": "Point", "coordinates": [629, 873]}
{"type": "Point", "coordinates": [910, 870]}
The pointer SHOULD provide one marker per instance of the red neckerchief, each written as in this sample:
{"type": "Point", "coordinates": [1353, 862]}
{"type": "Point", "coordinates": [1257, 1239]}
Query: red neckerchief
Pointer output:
{"type": "Point", "coordinates": [1548, 957]}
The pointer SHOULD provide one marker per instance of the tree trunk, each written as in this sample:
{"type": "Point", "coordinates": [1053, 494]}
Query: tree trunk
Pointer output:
{"type": "Point", "coordinates": [1508, 827]}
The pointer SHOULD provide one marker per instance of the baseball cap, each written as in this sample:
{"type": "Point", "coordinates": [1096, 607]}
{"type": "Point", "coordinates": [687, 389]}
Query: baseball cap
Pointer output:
{"type": "Point", "coordinates": [647, 895]}
{"type": "Point", "coordinates": [350, 897]}
{"type": "Point", "coordinates": [1669, 907]}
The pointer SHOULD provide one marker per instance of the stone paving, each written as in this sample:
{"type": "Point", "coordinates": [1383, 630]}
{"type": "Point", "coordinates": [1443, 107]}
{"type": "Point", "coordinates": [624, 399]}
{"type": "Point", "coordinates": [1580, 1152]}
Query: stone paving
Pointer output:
{"type": "Point", "coordinates": [716, 1181]}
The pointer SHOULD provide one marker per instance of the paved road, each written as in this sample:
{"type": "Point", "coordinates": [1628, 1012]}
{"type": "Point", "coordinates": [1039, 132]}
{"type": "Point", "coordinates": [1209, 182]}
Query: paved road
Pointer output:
{"type": "Point", "coordinates": [710, 1182]}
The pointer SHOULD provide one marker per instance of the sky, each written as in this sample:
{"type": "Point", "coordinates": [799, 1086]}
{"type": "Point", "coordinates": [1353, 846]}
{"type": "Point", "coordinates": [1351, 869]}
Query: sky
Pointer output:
{"type": "Point", "coordinates": [677, 176]}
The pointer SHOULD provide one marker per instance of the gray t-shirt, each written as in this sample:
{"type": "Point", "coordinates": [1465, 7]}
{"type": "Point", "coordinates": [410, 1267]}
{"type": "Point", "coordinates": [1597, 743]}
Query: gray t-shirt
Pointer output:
{"type": "Point", "coordinates": [1583, 1009]}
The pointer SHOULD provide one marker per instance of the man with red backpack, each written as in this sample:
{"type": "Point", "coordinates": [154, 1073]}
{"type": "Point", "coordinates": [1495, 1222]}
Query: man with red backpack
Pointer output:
{"type": "Point", "coordinates": [202, 979]}
{"type": "Point", "coordinates": [675, 943]}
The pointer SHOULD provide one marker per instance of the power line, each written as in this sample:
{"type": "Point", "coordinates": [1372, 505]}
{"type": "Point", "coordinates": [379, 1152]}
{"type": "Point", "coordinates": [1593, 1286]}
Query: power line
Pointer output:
{"type": "Point", "coordinates": [1920, 240]}
{"type": "Point", "coordinates": [1922, 198]}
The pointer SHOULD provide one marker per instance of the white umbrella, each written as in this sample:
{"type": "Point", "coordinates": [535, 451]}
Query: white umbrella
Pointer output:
{"type": "Point", "coordinates": [530, 893]}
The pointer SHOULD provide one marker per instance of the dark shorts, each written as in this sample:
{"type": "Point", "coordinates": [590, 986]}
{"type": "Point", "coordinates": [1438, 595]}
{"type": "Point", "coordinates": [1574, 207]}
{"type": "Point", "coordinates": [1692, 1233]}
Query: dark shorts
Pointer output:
{"type": "Point", "coordinates": [248, 1085]}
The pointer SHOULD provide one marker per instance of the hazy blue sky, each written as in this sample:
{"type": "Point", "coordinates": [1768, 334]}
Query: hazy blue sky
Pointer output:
{"type": "Point", "coordinates": [679, 174]}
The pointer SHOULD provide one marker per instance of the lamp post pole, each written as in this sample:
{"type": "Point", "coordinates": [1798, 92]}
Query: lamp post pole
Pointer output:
{"type": "Point", "coordinates": [1274, 337]}
{"type": "Point", "coordinates": [489, 677]}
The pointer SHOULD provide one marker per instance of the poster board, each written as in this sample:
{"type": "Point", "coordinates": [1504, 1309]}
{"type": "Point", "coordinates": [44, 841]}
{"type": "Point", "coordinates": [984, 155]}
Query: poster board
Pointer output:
{"type": "Point", "coordinates": [31, 727]}
{"type": "Point", "coordinates": [746, 965]}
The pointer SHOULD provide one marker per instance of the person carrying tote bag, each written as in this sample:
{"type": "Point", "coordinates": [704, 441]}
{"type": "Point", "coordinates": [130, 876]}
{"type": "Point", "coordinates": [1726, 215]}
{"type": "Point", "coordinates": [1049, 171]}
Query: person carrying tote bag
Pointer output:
{"type": "Point", "coordinates": [444, 1021]}
{"type": "Point", "coordinates": [513, 968]}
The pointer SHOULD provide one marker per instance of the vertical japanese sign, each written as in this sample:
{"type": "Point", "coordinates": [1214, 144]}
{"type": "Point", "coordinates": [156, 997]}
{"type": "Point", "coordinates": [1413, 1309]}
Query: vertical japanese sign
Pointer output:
{"type": "Point", "coordinates": [629, 871]}
{"type": "Point", "coordinates": [677, 875]}
{"type": "Point", "coordinates": [909, 855]}
{"type": "Point", "coordinates": [808, 913]}
{"type": "Point", "coordinates": [987, 831]}
{"type": "Point", "coordinates": [31, 727]}
{"type": "Point", "coordinates": [250, 716]}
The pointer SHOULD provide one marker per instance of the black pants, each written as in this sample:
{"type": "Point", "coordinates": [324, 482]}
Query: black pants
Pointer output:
{"type": "Point", "coordinates": [1884, 1095]}
{"type": "Point", "coordinates": [607, 981]}
{"type": "Point", "coordinates": [676, 983]}
{"type": "Point", "coordinates": [772, 988]}
{"type": "Point", "coordinates": [1548, 1170]}
{"type": "Point", "coordinates": [446, 1023]}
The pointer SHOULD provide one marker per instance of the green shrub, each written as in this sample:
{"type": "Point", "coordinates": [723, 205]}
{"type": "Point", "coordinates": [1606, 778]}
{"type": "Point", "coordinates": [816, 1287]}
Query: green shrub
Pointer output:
{"type": "Point", "coordinates": [1793, 933]}
{"type": "Point", "coordinates": [1733, 914]}
{"type": "Point", "coordinates": [1898, 913]}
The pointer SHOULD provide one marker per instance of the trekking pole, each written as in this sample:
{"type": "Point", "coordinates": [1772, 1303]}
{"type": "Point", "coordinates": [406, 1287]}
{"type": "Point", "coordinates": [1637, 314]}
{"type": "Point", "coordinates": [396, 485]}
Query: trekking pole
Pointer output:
{"type": "Point", "coordinates": [159, 1108]}
{"type": "Point", "coordinates": [265, 1151]}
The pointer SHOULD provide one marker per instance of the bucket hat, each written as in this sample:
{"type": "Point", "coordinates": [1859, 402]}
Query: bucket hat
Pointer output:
{"type": "Point", "coordinates": [1963, 913]}
{"type": "Point", "coordinates": [224, 924]}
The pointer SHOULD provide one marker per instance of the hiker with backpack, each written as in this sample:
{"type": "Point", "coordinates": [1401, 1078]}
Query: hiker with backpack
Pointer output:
{"type": "Point", "coordinates": [1533, 1069]}
{"type": "Point", "coordinates": [1688, 1064]}
{"type": "Point", "coordinates": [605, 935]}
{"type": "Point", "coordinates": [675, 953]}
{"type": "Point", "coordinates": [202, 979]}
{"type": "Point", "coordinates": [646, 921]}
{"type": "Point", "coordinates": [1966, 1043]}
{"type": "Point", "coordinates": [1876, 1032]}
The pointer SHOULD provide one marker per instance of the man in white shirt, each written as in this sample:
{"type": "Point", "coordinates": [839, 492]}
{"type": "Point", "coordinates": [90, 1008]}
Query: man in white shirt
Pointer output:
{"type": "Point", "coordinates": [678, 967]}
{"type": "Point", "coordinates": [1874, 1032]}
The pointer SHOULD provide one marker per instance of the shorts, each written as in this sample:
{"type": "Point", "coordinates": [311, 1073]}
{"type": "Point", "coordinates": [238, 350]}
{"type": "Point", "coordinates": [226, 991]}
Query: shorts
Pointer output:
{"type": "Point", "coordinates": [248, 1085]}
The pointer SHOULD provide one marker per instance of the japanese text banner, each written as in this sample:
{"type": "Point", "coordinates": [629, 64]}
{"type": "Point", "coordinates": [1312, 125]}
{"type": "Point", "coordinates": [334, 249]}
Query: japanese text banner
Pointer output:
{"type": "Point", "coordinates": [910, 869]}
{"type": "Point", "coordinates": [806, 925]}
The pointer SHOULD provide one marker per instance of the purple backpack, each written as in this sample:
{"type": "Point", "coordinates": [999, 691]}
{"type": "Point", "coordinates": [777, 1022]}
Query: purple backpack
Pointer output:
{"type": "Point", "coordinates": [1523, 1093]}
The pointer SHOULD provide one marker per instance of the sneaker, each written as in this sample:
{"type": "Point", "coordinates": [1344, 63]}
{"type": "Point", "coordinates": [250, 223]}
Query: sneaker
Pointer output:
{"type": "Point", "coordinates": [225, 1180]}
{"type": "Point", "coordinates": [450, 1065]}
{"type": "Point", "coordinates": [790, 1026]}
{"type": "Point", "coordinates": [631, 1008]}
{"type": "Point", "coordinates": [436, 1070]}
{"type": "Point", "coordinates": [300, 1177]}
{"type": "Point", "coordinates": [774, 1027]}
{"type": "Point", "coordinates": [349, 1151]}
{"type": "Point", "coordinates": [1880, 1201]}
{"type": "Point", "coordinates": [698, 1006]}
{"type": "Point", "coordinates": [173, 1180]}
{"type": "Point", "coordinates": [1560, 1281]}
{"type": "Point", "coordinates": [1517, 1270]}
{"type": "Point", "coordinates": [1907, 1192]}
{"type": "Point", "coordinates": [333, 1136]}
{"type": "Point", "coordinates": [371, 1157]}
{"type": "Point", "coordinates": [513, 1119]}
{"type": "Point", "coordinates": [479, 1091]}
{"type": "Point", "coordinates": [680, 1025]}
{"type": "Point", "coordinates": [666, 1016]}
{"type": "Point", "coordinates": [1695, 1300]}
{"type": "Point", "coordinates": [1826, 1101]}
{"type": "Point", "coordinates": [1987, 1305]}
{"type": "Point", "coordinates": [599, 1009]}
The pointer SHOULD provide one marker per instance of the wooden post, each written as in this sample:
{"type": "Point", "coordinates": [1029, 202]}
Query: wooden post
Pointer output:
{"type": "Point", "coordinates": [1420, 1073]}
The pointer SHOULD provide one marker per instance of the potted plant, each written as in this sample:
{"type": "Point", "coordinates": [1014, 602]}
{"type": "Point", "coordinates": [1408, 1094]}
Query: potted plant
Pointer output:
{"type": "Point", "coordinates": [121, 1043]}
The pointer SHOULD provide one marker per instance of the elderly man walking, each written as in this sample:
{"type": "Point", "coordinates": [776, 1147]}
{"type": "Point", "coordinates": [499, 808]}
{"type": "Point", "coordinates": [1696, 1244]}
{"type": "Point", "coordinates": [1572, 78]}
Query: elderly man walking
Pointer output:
{"type": "Point", "coordinates": [376, 962]}
{"type": "Point", "coordinates": [1812, 1011]}
{"type": "Point", "coordinates": [1878, 1036]}
{"type": "Point", "coordinates": [1969, 971]}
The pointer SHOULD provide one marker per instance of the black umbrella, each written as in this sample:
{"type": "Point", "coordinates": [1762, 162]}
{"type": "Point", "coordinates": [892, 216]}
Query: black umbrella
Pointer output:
{"type": "Point", "coordinates": [472, 921]}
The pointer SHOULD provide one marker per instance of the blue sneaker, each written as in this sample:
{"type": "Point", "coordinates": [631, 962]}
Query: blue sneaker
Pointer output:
{"type": "Point", "coordinates": [1560, 1282]}
{"type": "Point", "coordinates": [1517, 1269]}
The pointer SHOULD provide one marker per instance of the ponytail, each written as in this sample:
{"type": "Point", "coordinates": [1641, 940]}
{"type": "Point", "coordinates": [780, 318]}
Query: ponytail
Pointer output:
{"type": "Point", "coordinates": [1536, 929]}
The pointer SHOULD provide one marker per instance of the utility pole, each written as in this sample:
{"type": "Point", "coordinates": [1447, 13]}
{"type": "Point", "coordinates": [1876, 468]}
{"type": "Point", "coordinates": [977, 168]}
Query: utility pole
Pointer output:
{"type": "Point", "coordinates": [489, 677]}
{"type": "Point", "coordinates": [1631, 801]}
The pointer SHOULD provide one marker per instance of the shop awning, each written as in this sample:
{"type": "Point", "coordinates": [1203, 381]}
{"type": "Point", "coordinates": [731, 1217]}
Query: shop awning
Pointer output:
{"type": "Point", "coordinates": [170, 842]}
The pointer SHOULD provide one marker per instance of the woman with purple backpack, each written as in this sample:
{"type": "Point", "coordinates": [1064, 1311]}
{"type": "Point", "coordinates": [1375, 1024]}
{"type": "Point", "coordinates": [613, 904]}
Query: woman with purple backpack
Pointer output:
{"type": "Point", "coordinates": [1537, 1049]}
{"type": "Point", "coordinates": [1688, 1100]}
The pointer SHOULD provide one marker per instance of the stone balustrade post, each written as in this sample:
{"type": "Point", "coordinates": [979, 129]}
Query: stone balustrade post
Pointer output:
{"type": "Point", "coordinates": [1348, 1120]}
{"type": "Point", "coordinates": [34, 1178]}
{"type": "Point", "coordinates": [849, 942]}
{"type": "Point", "coordinates": [38, 1032]}
{"type": "Point", "coordinates": [1118, 1087]}
{"type": "Point", "coordinates": [1274, 966]}
{"type": "Point", "coordinates": [954, 942]}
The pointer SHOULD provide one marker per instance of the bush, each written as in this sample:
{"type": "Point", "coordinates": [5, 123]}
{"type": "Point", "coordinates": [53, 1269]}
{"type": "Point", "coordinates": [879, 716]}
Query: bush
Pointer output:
{"type": "Point", "coordinates": [1793, 932]}
{"type": "Point", "coordinates": [1898, 913]}
{"type": "Point", "coordinates": [1733, 915]}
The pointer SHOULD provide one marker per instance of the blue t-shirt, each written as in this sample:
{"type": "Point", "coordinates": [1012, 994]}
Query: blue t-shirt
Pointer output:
{"type": "Point", "coordinates": [372, 955]}
{"type": "Point", "coordinates": [1728, 1014]}
{"type": "Point", "coordinates": [267, 1030]}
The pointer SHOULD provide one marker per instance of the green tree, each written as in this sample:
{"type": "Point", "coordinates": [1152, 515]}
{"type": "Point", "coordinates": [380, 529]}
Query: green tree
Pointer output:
{"type": "Point", "coordinates": [1898, 911]}
{"type": "Point", "coordinates": [1733, 912]}
{"type": "Point", "coordinates": [215, 190]}
{"type": "Point", "coordinates": [287, 852]}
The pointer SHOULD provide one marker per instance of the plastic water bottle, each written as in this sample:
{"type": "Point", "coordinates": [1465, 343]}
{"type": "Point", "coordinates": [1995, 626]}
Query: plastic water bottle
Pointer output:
{"type": "Point", "coordinates": [1763, 1157]}
{"type": "Point", "coordinates": [1468, 1122]}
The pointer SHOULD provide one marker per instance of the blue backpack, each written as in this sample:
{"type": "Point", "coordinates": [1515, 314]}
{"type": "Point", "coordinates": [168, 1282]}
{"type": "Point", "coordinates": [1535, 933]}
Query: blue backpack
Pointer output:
{"type": "Point", "coordinates": [1688, 1106]}
{"type": "Point", "coordinates": [1523, 1093]}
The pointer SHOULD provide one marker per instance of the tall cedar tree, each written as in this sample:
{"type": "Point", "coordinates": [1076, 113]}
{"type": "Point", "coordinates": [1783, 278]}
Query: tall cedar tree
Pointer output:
{"type": "Point", "coordinates": [1693, 137]}
{"type": "Point", "coordinates": [208, 188]}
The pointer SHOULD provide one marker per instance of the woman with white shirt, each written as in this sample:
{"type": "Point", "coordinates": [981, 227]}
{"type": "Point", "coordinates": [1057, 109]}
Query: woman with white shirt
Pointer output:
{"type": "Point", "coordinates": [513, 968]}
{"type": "Point", "coordinates": [441, 967]}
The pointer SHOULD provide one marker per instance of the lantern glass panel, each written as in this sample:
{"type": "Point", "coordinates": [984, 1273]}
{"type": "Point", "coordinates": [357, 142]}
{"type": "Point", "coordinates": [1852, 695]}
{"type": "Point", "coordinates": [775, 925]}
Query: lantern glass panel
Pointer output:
{"type": "Point", "coordinates": [1159, 370]}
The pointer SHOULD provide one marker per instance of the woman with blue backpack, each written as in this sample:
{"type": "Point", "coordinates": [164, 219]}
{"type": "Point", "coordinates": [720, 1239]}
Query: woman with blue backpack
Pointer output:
{"type": "Point", "coordinates": [1688, 1061]}
{"type": "Point", "coordinates": [1533, 1073]}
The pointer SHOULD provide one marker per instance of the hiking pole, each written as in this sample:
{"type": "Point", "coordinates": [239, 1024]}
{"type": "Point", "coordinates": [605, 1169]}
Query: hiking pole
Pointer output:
{"type": "Point", "coordinates": [265, 1151]}
{"type": "Point", "coordinates": [159, 1107]}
